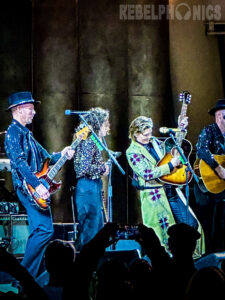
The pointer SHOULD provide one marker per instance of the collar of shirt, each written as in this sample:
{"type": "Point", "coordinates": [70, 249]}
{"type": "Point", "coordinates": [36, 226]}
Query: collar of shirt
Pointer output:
{"type": "Point", "coordinates": [25, 129]}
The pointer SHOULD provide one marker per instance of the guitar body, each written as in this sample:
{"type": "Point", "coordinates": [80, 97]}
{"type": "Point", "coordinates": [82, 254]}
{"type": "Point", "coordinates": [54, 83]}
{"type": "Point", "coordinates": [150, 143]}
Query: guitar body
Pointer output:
{"type": "Point", "coordinates": [51, 186]}
{"type": "Point", "coordinates": [213, 183]}
{"type": "Point", "coordinates": [196, 168]}
{"type": "Point", "coordinates": [178, 176]}
{"type": "Point", "coordinates": [46, 175]}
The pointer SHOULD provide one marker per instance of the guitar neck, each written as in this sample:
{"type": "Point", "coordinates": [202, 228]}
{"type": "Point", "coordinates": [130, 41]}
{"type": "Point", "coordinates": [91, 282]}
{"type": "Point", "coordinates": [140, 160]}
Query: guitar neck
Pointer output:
{"type": "Point", "coordinates": [58, 165]}
{"type": "Point", "coordinates": [180, 135]}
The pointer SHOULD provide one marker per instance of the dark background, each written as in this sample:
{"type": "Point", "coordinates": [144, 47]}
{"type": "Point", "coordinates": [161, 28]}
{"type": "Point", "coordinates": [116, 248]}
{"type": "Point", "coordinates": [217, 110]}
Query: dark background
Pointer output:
{"type": "Point", "coordinates": [79, 54]}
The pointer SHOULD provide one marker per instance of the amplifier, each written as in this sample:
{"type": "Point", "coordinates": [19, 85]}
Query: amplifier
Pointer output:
{"type": "Point", "coordinates": [14, 228]}
{"type": "Point", "coordinates": [9, 208]}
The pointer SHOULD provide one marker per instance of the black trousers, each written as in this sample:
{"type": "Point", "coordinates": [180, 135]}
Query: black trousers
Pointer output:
{"type": "Point", "coordinates": [211, 214]}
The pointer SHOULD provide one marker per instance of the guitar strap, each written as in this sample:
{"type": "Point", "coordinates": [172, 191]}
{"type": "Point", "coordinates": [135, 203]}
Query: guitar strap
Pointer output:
{"type": "Point", "coordinates": [34, 149]}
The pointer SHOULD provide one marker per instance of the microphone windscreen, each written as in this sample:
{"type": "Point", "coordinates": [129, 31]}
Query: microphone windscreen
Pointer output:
{"type": "Point", "coordinates": [67, 112]}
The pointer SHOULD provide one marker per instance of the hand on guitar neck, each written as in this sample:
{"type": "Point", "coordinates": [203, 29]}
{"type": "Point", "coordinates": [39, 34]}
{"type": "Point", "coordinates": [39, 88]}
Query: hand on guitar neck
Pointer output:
{"type": "Point", "coordinates": [41, 189]}
{"type": "Point", "coordinates": [220, 171]}
{"type": "Point", "coordinates": [68, 151]}
{"type": "Point", "coordinates": [182, 122]}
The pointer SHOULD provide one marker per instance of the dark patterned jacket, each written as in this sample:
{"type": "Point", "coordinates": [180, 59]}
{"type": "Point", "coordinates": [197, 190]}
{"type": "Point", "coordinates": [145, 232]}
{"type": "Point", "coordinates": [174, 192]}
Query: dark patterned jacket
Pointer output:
{"type": "Point", "coordinates": [210, 141]}
{"type": "Point", "coordinates": [26, 155]}
{"type": "Point", "coordinates": [88, 161]}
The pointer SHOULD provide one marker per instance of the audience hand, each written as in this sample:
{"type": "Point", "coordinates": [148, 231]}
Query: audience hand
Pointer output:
{"type": "Point", "coordinates": [148, 238]}
{"type": "Point", "coordinates": [104, 238]}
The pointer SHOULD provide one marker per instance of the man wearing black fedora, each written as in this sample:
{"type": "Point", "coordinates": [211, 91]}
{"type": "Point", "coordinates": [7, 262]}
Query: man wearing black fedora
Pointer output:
{"type": "Point", "coordinates": [26, 158]}
{"type": "Point", "coordinates": [211, 204]}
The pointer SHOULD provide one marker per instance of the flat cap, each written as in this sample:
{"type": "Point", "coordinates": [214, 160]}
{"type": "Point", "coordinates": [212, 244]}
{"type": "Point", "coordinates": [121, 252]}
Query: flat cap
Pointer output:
{"type": "Point", "coordinates": [183, 231]}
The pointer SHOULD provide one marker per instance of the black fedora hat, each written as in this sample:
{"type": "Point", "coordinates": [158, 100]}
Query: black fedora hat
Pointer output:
{"type": "Point", "coordinates": [20, 98]}
{"type": "Point", "coordinates": [220, 104]}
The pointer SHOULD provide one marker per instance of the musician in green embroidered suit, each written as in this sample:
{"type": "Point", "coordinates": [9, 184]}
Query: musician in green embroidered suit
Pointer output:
{"type": "Point", "coordinates": [162, 205]}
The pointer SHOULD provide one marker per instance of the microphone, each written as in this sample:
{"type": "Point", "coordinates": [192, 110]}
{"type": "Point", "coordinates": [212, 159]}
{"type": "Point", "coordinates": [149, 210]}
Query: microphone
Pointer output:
{"type": "Point", "coordinates": [115, 154]}
{"type": "Point", "coordinates": [170, 130]}
{"type": "Point", "coordinates": [69, 112]}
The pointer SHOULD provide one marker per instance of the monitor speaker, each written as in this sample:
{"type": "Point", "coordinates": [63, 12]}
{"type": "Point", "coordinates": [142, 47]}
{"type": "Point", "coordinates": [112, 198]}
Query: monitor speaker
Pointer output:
{"type": "Point", "coordinates": [14, 230]}
{"type": "Point", "coordinates": [213, 259]}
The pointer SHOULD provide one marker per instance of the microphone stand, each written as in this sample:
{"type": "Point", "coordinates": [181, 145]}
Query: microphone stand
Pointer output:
{"type": "Point", "coordinates": [109, 198]}
{"type": "Point", "coordinates": [187, 170]}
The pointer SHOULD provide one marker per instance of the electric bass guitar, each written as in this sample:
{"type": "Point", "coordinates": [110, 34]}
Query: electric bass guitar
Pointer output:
{"type": "Point", "coordinates": [179, 175]}
{"type": "Point", "coordinates": [46, 175]}
{"type": "Point", "coordinates": [208, 178]}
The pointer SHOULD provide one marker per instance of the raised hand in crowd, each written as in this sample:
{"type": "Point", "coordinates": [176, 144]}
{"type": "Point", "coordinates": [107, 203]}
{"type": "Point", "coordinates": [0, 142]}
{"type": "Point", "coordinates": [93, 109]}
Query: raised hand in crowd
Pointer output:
{"type": "Point", "coordinates": [10, 265]}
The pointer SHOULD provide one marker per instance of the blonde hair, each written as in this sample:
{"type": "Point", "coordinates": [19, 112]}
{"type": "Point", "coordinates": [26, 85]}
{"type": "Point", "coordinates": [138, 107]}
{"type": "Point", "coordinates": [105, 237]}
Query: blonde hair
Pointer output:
{"type": "Point", "coordinates": [139, 125]}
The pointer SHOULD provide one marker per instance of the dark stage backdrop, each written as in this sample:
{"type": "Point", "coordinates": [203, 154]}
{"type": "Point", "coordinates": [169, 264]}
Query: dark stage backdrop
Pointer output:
{"type": "Point", "coordinates": [80, 54]}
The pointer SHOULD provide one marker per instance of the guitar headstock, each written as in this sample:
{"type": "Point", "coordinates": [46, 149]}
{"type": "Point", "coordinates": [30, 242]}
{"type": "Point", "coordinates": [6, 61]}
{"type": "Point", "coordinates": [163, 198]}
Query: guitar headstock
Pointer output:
{"type": "Point", "coordinates": [83, 133]}
{"type": "Point", "coordinates": [185, 97]}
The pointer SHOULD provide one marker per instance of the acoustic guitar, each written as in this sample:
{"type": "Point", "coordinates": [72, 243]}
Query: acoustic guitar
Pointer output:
{"type": "Point", "coordinates": [46, 175]}
{"type": "Point", "coordinates": [209, 180]}
{"type": "Point", "coordinates": [179, 176]}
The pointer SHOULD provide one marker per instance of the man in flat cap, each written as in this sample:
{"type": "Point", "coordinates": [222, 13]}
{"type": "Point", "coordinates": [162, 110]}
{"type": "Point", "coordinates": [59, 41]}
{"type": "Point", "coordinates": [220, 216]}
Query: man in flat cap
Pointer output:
{"type": "Point", "coordinates": [171, 271]}
{"type": "Point", "coordinates": [182, 238]}
{"type": "Point", "coordinates": [27, 157]}
{"type": "Point", "coordinates": [210, 192]}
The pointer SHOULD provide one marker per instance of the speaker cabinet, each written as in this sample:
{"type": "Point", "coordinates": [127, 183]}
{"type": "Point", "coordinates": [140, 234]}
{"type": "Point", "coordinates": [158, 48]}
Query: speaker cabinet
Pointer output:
{"type": "Point", "coordinates": [15, 229]}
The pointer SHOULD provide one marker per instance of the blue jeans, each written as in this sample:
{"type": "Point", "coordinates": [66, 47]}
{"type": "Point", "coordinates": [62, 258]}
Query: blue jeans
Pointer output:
{"type": "Point", "coordinates": [88, 203]}
{"type": "Point", "coordinates": [40, 233]}
{"type": "Point", "coordinates": [179, 210]}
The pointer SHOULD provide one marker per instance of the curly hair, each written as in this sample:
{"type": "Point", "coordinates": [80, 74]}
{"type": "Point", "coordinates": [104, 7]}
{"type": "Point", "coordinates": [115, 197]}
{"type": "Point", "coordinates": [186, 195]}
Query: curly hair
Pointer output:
{"type": "Point", "coordinates": [139, 125]}
{"type": "Point", "coordinates": [95, 118]}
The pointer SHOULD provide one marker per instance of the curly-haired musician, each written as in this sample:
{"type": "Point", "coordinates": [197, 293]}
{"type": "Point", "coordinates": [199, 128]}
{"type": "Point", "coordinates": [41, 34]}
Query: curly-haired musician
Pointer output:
{"type": "Point", "coordinates": [89, 167]}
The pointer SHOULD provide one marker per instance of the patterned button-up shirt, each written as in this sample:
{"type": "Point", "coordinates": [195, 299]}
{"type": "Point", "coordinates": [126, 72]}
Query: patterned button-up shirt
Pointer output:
{"type": "Point", "coordinates": [210, 141]}
{"type": "Point", "coordinates": [26, 155]}
{"type": "Point", "coordinates": [88, 161]}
